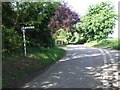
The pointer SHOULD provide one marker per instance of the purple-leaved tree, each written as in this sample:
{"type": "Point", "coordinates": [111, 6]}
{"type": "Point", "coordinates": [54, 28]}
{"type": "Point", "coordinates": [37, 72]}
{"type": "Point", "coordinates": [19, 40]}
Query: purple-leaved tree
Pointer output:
{"type": "Point", "coordinates": [64, 18]}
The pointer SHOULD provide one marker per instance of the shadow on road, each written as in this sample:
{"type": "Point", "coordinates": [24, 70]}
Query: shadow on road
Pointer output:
{"type": "Point", "coordinates": [82, 67]}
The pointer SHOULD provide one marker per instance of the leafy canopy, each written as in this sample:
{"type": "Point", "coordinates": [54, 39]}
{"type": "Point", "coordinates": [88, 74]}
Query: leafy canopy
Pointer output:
{"type": "Point", "coordinates": [18, 14]}
{"type": "Point", "coordinates": [64, 18]}
{"type": "Point", "coordinates": [98, 22]}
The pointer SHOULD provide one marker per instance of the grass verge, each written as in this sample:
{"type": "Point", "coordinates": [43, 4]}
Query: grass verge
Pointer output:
{"type": "Point", "coordinates": [16, 69]}
{"type": "Point", "coordinates": [106, 43]}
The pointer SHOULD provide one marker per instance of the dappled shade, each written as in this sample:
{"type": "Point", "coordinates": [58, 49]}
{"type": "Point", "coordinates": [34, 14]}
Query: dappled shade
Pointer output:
{"type": "Point", "coordinates": [71, 71]}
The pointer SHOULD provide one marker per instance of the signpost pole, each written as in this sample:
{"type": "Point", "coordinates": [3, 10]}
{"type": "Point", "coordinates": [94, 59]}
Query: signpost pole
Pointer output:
{"type": "Point", "coordinates": [24, 42]}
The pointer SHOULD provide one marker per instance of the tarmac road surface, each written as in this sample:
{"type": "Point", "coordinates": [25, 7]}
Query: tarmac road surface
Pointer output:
{"type": "Point", "coordinates": [82, 67]}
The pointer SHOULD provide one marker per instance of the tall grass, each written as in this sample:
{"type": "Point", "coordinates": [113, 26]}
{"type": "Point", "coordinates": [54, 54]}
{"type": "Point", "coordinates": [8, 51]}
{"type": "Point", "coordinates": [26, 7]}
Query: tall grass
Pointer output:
{"type": "Point", "coordinates": [110, 43]}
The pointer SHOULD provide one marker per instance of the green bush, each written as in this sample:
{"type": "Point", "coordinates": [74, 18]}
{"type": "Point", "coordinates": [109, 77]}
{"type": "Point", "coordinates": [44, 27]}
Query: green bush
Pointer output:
{"type": "Point", "coordinates": [63, 35]}
{"type": "Point", "coordinates": [109, 43]}
{"type": "Point", "coordinates": [43, 38]}
{"type": "Point", "coordinates": [12, 41]}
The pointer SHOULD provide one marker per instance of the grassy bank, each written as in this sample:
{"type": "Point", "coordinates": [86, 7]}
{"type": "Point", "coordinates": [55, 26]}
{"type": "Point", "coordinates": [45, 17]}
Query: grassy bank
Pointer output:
{"type": "Point", "coordinates": [17, 68]}
{"type": "Point", "coordinates": [110, 43]}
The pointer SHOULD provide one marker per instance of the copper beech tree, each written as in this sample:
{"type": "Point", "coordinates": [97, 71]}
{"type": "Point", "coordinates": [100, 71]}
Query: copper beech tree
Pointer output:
{"type": "Point", "coordinates": [64, 18]}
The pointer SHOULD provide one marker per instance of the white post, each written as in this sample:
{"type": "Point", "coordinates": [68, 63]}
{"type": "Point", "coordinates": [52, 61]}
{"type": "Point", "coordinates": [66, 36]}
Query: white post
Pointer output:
{"type": "Point", "coordinates": [24, 42]}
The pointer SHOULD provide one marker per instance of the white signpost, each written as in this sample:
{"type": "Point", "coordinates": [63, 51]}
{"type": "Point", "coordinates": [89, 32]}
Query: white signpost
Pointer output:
{"type": "Point", "coordinates": [24, 41]}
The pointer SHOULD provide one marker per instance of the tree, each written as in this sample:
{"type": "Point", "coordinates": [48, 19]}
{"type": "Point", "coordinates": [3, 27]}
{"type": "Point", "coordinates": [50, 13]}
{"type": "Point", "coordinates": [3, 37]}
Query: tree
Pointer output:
{"type": "Point", "coordinates": [63, 18]}
{"type": "Point", "coordinates": [11, 40]}
{"type": "Point", "coordinates": [18, 14]}
{"type": "Point", "coordinates": [7, 14]}
{"type": "Point", "coordinates": [37, 14]}
{"type": "Point", "coordinates": [98, 23]}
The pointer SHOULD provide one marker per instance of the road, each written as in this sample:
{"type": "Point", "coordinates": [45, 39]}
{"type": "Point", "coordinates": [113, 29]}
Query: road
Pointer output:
{"type": "Point", "coordinates": [82, 67]}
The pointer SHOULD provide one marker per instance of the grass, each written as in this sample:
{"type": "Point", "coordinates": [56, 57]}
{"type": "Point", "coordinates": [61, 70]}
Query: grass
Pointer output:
{"type": "Point", "coordinates": [17, 68]}
{"type": "Point", "coordinates": [110, 43]}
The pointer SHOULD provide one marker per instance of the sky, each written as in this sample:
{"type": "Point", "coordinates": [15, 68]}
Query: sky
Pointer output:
{"type": "Point", "coordinates": [81, 6]}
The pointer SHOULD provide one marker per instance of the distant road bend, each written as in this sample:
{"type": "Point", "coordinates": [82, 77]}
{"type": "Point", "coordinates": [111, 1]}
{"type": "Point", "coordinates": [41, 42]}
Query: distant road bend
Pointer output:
{"type": "Point", "coordinates": [82, 67]}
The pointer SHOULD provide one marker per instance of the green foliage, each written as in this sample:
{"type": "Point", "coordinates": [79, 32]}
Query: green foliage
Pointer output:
{"type": "Point", "coordinates": [63, 35]}
{"type": "Point", "coordinates": [15, 15]}
{"type": "Point", "coordinates": [109, 43]}
{"type": "Point", "coordinates": [75, 38]}
{"type": "Point", "coordinates": [98, 23]}
{"type": "Point", "coordinates": [44, 38]}
{"type": "Point", "coordinates": [67, 36]}
{"type": "Point", "coordinates": [7, 14]}
{"type": "Point", "coordinates": [18, 14]}
{"type": "Point", "coordinates": [37, 14]}
{"type": "Point", "coordinates": [46, 55]}
{"type": "Point", "coordinates": [106, 43]}
{"type": "Point", "coordinates": [12, 41]}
